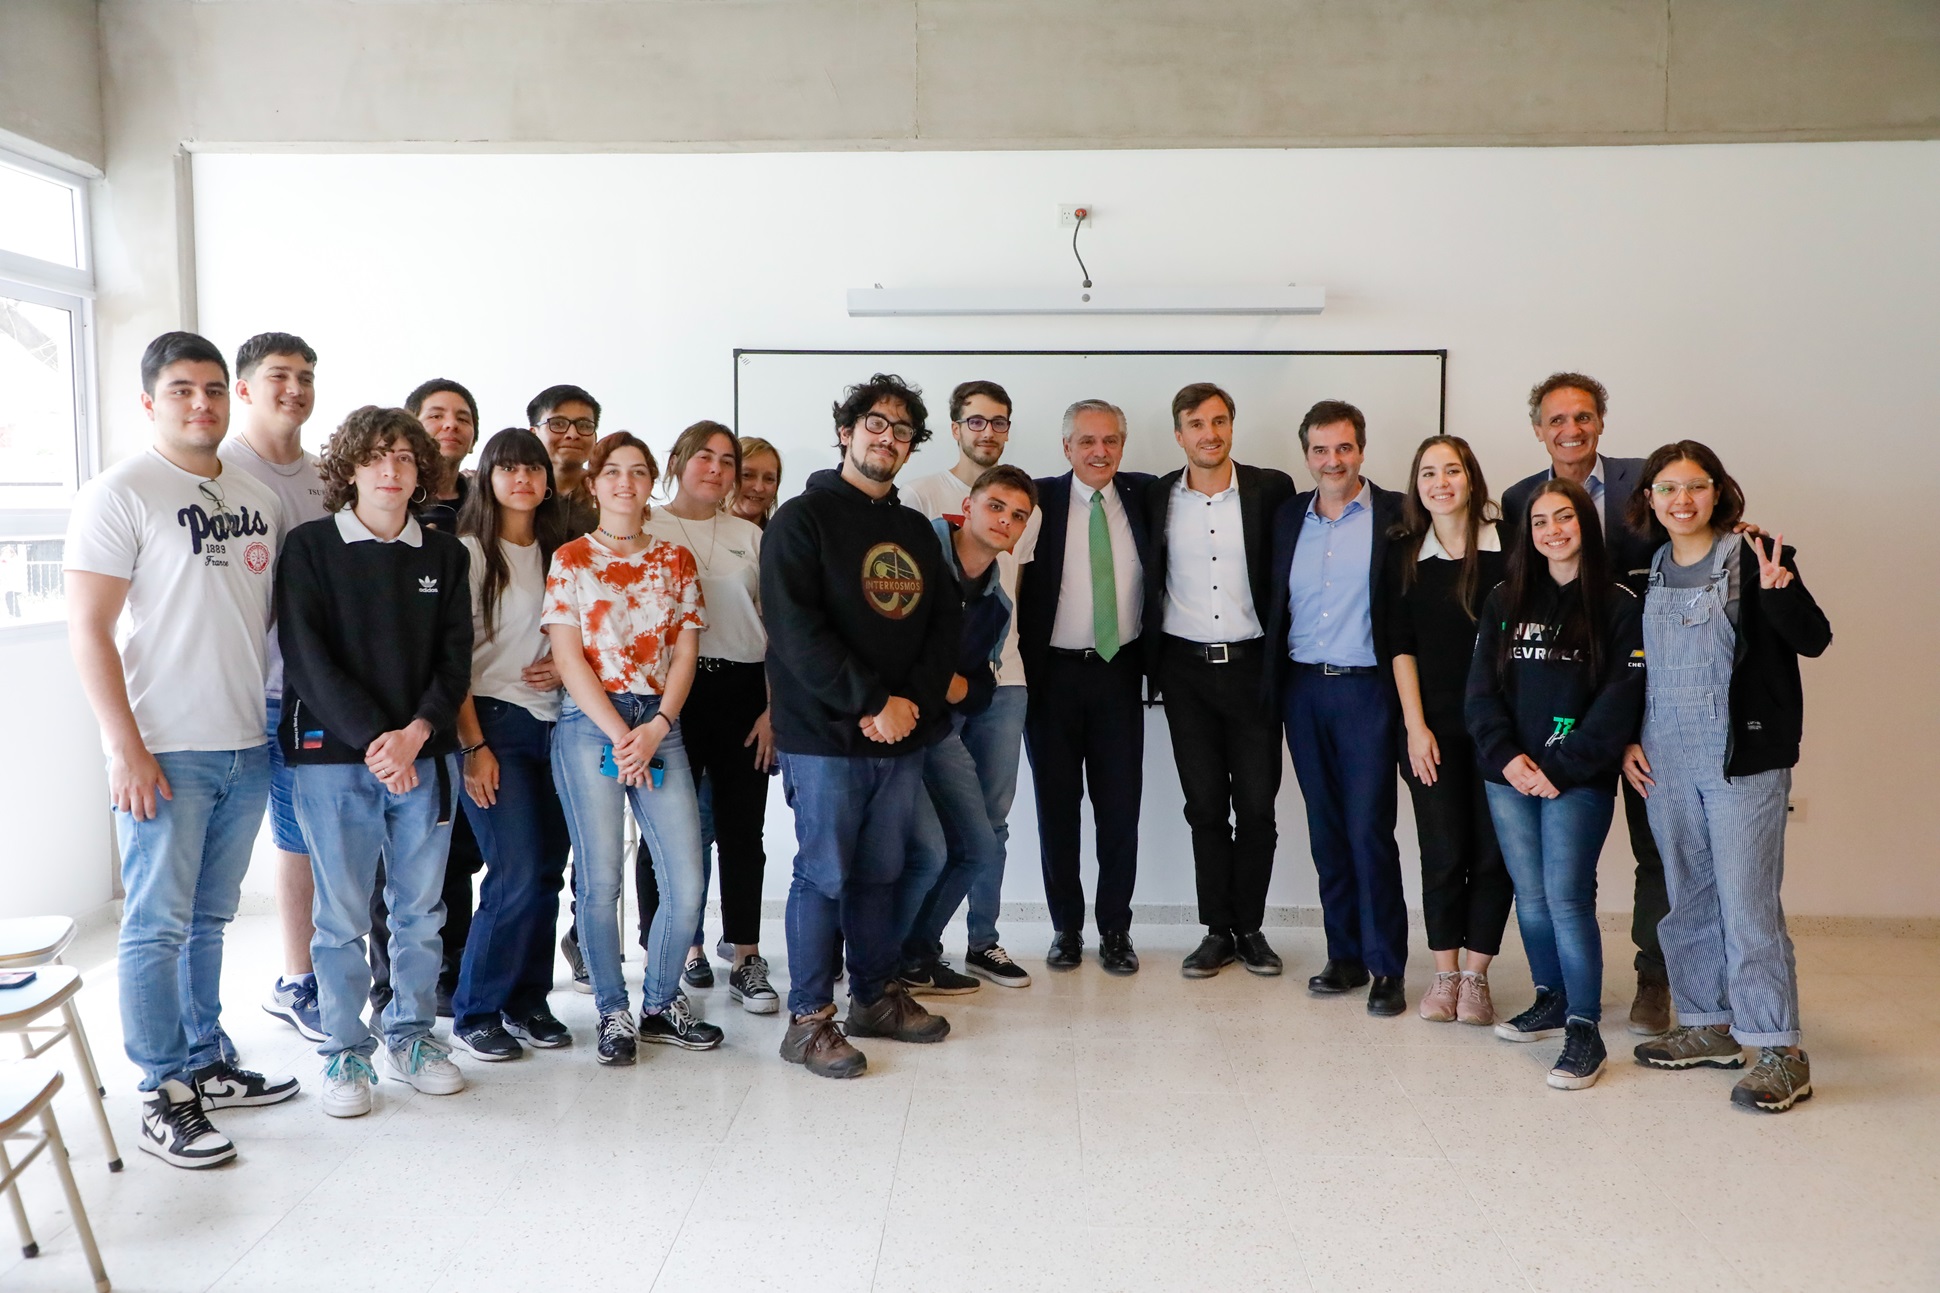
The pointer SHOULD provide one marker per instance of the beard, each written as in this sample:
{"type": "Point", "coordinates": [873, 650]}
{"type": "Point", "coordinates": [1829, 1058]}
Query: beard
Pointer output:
{"type": "Point", "coordinates": [875, 469]}
{"type": "Point", "coordinates": [985, 458]}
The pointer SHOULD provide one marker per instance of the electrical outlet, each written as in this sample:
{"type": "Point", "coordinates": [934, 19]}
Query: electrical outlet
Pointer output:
{"type": "Point", "coordinates": [1068, 214]}
{"type": "Point", "coordinates": [1795, 812]}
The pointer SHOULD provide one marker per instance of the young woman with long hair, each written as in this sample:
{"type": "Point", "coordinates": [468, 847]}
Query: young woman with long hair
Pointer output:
{"type": "Point", "coordinates": [1723, 713]}
{"type": "Point", "coordinates": [624, 611]}
{"type": "Point", "coordinates": [1446, 558]}
{"type": "Point", "coordinates": [1554, 695]}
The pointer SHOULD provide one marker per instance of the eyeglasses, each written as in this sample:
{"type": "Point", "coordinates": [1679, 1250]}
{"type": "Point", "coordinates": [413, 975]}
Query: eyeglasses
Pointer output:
{"type": "Point", "coordinates": [876, 424]}
{"type": "Point", "coordinates": [978, 422]}
{"type": "Point", "coordinates": [213, 492]}
{"type": "Point", "coordinates": [560, 426]}
{"type": "Point", "coordinates": [1672, 488]}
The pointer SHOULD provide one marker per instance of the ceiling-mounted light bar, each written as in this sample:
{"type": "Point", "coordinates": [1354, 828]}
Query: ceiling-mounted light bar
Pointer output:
{"type": "Point", "coordinates": [879, 302]}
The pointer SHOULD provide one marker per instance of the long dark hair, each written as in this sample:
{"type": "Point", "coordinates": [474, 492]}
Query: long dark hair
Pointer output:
{"type": "Point", "coordinates": [1580, 628]}
{"type": "Point", "coordinates": [480, 517]}
{"type": "Point", "coordinates": [1726, 511]}
{"type": "Point", "coordinates": [1416, 521]}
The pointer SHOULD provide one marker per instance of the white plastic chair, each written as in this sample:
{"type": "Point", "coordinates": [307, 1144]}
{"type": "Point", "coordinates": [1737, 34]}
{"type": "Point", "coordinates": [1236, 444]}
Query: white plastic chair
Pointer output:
{"type": "Point", "coordinates": [23, 1008]}
{"type": "Point", "coordinates": [26, 1094]}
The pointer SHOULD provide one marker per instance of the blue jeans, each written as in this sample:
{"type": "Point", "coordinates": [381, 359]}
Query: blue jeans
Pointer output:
{"type": "Point", "coordinates": [951, 843]}
{"type": "Point", "coordinates": [507, 966]}
{"type": "Point", "coordinates": [181, 872]}
{"type": "Point", "coordinates": [995, 739]}
{"type": "Point", "coordinates": [352, 823]}
{"type": "Point", "coordinates": [852, 821]}
{"type": "Point", "coordinates": [670, 827]}
{"type": "Point", "coordinates": [1551, 848]}
{"type": "Point", "coordinates": [283, 826]}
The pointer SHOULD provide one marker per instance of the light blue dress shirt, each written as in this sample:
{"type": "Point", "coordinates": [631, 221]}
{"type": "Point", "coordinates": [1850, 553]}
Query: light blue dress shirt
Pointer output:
{"type": "Point", "coordinates": [1328, 587]}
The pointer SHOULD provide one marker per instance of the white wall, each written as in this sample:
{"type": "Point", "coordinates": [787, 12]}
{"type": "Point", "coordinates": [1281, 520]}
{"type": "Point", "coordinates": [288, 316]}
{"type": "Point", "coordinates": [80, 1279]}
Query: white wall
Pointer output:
{"type": "Point", "coordinates": [59, 852]}
{"type": "Point", "coordinates": [1779, 301]}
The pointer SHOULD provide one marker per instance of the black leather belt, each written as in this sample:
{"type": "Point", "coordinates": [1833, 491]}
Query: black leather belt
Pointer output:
{"type": "Point", "coordinates": [1081, 653]}
{"type": "Point", "coordinates": [1216, 652]}
{"type": "Point", "coordinates": [713, 664]}
{"type": "Point", "coordinates": [1337, 670]}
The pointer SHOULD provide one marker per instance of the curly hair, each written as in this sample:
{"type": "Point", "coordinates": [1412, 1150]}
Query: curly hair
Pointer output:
{"type": "Point", "coordinates": [1549, 385]}
{"type": "Point", "coordinates": [366, 433]}
{"type": "Point", "coordinates": [857, 400]}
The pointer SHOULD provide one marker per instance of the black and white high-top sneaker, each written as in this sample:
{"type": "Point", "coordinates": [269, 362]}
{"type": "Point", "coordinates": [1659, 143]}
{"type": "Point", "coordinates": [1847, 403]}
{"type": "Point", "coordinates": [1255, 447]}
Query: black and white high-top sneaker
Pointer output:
{"type": "Point", "coordinates": [175, 1130]}
{"type": "Point", "coordinates": [224, 1086]}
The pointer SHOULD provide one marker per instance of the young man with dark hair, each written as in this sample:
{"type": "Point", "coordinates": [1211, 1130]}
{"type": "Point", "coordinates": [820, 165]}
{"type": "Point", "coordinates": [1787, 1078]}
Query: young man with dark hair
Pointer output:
{"type": "Point", "coordinates": [861, 648]}
{"type": "Point", "coordinates": [567, 419]}
{"type": "Point", "coordinates": [996, 514]}
{"type": "Point", "coordinates": [980, 413]}
{"type": "Point", "coordinates": [276, 385]}
{"type": "Point", "coordinates": [449, 415]}
{"type": "Point", "coordinates": [186, 549]}
{"type": "Point", "coordinates": [1205, 588]}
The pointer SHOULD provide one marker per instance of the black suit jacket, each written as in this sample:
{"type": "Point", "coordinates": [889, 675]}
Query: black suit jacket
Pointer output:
{"type": "Point", "coordinates": [1039, 578]}
{"type": "Point", "coordinates": [1630, 550]}
{"type": "Point", "coordinates": [1262, 490]}
{"type": "Point", "coordinates": [1288, 523]}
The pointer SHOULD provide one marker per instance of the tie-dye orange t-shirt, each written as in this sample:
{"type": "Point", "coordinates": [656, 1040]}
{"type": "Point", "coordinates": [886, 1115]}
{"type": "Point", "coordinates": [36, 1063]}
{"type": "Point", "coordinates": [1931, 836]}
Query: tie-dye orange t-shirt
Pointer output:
{"type": "Point", "coordinates": [629, 610]}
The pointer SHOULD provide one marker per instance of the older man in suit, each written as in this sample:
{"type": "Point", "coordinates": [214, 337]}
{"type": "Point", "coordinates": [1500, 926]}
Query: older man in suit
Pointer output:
{"type": "Point", "coordinates": [1567, 412]}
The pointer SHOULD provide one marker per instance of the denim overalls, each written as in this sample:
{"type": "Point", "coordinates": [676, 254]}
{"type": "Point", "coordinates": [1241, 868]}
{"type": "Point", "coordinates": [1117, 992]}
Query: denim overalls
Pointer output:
{"type": "Point", "coordinates": [1723, 840]}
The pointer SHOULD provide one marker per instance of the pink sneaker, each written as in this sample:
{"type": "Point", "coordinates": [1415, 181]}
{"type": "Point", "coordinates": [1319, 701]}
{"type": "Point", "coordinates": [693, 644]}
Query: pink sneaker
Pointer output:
{"type": "Point", "coordinates": [1473, 1003]}
{"type": "Point", "coordinates": [1438, 1003]}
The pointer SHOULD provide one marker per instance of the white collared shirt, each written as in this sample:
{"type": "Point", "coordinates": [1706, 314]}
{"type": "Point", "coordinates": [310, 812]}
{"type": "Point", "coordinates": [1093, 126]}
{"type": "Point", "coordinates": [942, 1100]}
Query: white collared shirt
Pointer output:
{"type": "Point", "coordinates": [1486, 540]}
{"type": "Point", "coordinates": [353, 530]}
{"type": "Point", "coordinates": [1208, 597]}
{"type": "Point", "coordinates": [1071, 627]}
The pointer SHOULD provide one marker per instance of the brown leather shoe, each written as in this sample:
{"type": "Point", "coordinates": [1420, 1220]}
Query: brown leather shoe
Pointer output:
{"type": "Point", "coordinates": [816, 1041]}
{"type": "Point", "coordinates": [897, 1016]}
{"type": "Point", "coordinates": [1650, 1013]}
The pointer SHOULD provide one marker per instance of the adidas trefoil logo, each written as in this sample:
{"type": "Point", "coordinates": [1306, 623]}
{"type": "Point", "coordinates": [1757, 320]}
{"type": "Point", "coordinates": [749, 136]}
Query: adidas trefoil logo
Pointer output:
{"type": "Point", "coordinates": [428, 584]}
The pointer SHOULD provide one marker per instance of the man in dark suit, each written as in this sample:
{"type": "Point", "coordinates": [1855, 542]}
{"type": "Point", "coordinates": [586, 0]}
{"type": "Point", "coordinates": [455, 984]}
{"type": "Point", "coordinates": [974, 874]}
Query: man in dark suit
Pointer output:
{"type": "Point", "coordinates": [1327, 624]}
{"type": "Point", "coordinates": [1080, 607]}
{"type": "Point", "coordinates": [1567, 411]}
{"type": "Point", "coordinates": [1204, 588]}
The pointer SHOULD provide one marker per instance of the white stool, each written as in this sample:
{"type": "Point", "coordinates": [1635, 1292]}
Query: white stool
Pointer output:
{"type": "Point", "coordinates": [22, 1008]}
{"type": "Point", "coordinates": [34, 940]}
{"type": "Point", "coordinates": [27, 1092]}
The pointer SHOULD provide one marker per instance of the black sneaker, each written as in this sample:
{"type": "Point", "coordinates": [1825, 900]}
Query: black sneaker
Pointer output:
{"type": "Point", "coordinates": [542, 1030]}
{"type": "Point", "coordinates": [1581, 1062]}
{"type": "Point", "coordinates": [582, 981]}
{"type": "Point", "coordinates": [176, 1130]}
{"type": "Point", "coordinates": [1256, 954]}
{"type": "Point", "coordinates": [1215, 952]}
{"type": "Point", "coordinates": [936, 979]}
{"type": "Point", "coordinates": [698, 974]}
{"type": "Point", "coordinates": [616, 1038]}
{"type": "Point", "coordinates": [748, 984]}
{"type": "Point", "coordinates": [678, 1025]}
{"type": "Point", "coordinates": [224, 1086]}
{"type": "Point", "coordinates": [1543, 1019]}
{"type": "Point", "coordinates": [490, 1043]}
{"type": "Point", "coordinates": [994, 963]}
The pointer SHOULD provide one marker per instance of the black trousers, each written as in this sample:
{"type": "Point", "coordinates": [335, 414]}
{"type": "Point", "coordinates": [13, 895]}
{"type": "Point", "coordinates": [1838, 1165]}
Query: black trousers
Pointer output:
{"type": "Point", "coordinates": [1653, 898]}
{"type": "Point", "coordinates": [1466, 892]}
{"type": "Point", "coordinates": [1084, 730]}
{"type": "Point", "coordinates": [1227, 745]}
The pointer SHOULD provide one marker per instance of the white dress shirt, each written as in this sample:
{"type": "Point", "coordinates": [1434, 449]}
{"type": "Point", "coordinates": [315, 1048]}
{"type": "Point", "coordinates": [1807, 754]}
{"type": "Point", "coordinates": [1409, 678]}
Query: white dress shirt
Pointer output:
{"type": "Point", "coordinates": [1208, 597]}
{"type": "Point", "coordinates": [1071, 628]}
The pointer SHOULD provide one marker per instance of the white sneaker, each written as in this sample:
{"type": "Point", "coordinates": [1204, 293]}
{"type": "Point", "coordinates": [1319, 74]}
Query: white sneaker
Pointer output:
{"type": "Point", "coordinates": [425, 1065]}
{"type": "Point", "coordinates": [347, 1081]}
{"type": "Point", "coordinates": [175, 1129]}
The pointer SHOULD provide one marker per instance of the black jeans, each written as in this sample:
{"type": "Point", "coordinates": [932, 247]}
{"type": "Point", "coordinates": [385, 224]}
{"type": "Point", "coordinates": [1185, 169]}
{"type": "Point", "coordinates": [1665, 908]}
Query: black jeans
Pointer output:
{"type": "Point", "coordinates": [1227, 746]}
{"type": "Point", "coordinates": [1084, 729]}
{"type": "Point", "coordinates": [1653, 898]}
{"type": "Point", "coordinates": [1465, 887]}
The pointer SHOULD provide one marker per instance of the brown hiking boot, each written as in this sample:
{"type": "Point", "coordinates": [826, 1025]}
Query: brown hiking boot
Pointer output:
{"type": "Point", "coordinates": [816, 1041]}
{"type": "Point", "coordinates": [1473, 1004]}
{"type": "Point", "coordinates": [897, 1016]}
{"type": "Point", "coordinates": [1650, 1013]}
{"type": "Point", "coordinates": [1776, 1082]}
{"type": "Point", "coordinates": [1685, 1048]}
{"type": "Point", "coordinates": [1438, 1003]}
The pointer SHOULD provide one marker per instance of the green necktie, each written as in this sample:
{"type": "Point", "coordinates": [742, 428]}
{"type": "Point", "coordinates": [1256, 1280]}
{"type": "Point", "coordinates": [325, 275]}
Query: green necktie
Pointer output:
{"type": "Point", "coordinates": [1104, 583]}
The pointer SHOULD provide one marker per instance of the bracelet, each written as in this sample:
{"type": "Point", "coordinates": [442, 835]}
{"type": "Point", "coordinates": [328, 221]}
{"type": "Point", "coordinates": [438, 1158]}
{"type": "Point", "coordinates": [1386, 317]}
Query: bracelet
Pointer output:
{"type": "Point", "coordinates": [469, 750]}
{"type": "Point", "coordinates": [669, 717]}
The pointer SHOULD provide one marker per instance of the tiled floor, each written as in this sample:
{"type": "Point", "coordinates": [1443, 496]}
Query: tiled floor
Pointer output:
{"type": "Point", "coordinates": [1087, 1133]}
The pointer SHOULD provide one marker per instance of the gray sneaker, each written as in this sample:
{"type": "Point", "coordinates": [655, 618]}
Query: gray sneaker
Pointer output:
{"type": "Point", "coordinates": [1776, 1083]}
{"type": "Point", "coordinates": [1686, 1048]}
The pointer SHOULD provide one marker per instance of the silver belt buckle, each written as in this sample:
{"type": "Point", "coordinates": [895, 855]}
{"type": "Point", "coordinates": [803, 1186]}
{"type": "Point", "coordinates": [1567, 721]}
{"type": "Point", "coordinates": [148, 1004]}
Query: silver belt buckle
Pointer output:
{"type": "Point", "coordinates": [1222, 658]}
{"type": "Point", "coordinates": [1332, 671]}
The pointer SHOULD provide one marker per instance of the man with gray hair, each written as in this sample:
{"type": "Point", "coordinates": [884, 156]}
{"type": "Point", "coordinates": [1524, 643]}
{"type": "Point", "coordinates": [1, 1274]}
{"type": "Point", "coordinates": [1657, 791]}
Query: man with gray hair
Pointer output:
{"type": "Point", "coordinates": [1080, 612]}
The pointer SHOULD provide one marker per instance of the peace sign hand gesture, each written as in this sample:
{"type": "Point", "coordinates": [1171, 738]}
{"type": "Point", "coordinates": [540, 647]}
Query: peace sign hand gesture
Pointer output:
{"type": "Point", "coordinates": [1771, 574]}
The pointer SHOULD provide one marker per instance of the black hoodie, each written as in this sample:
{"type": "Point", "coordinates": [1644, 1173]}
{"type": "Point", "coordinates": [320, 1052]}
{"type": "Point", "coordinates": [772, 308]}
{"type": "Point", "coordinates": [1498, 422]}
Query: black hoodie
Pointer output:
{"type": "Point", "coordinates": [858, 608]}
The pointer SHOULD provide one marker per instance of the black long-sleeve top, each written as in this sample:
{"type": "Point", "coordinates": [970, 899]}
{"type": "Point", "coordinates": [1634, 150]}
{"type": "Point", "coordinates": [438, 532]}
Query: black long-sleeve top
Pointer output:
{"type": "Point", "coordinates": [858, 608]}
{"type": "Point", "coordinates": [1545, 703]}
{"type": "Point", "coordinates": [374, 635]}
{"type": "Point", "coordinates": [1426, 621]}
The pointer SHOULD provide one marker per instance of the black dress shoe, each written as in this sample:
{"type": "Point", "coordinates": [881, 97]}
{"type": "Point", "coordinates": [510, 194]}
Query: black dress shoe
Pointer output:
{"type": "Point", "coordinates": [1215, 952]}
{"type": "Point", "coordinates": [1255, 954]}
{"type": "Point", "coordinates": [1337, 977]}
{"type": "Point", "coordinates": [1115, 954]}
{"type": "Point", "coordinates": [1385, 997]}
{"type": "Point", "coordinates": [1067, 950]}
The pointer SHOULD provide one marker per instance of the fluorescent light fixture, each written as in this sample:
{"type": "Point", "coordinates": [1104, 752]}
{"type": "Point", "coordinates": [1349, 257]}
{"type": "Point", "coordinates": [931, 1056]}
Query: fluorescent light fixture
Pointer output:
{"type": "Point", "coordinates": [879, 302]}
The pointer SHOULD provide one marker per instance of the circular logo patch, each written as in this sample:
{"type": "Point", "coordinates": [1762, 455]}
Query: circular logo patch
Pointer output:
{"type": "Point", "coordinates": [256, 557]}
{"type": "Point", "coordinates": [891, 583]}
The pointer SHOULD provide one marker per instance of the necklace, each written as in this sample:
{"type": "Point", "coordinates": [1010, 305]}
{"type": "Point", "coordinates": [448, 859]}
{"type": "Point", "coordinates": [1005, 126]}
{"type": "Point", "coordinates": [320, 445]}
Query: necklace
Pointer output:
{"type": "Point", "coordinates": [617, 538]}
{"type": "Point", "coordinates": [713, 528]}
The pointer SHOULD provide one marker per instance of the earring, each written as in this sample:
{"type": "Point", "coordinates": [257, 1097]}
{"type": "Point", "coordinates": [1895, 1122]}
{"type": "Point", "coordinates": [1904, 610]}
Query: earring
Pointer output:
{"type": "Point", "coordinates": [548, 494]}
{"type": "Point", "coordinates": [420, 496]}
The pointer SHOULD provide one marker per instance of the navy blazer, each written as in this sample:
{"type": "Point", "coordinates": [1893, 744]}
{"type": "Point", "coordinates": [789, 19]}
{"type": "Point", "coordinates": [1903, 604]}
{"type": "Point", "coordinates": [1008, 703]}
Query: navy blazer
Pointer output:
{"type": "Point", "coordinates": [1288, 523]}
{"type": "Point", "coordinates": [1040, 578]}
{"type": "Point", "coordinates": [1630, 550]}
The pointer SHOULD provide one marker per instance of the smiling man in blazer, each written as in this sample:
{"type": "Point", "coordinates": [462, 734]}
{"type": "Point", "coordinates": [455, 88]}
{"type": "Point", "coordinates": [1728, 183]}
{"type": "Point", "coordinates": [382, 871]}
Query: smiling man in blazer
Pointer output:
{"type": "Point", "coordinates": [1204, 589]}
{"type": "Point", "coordinates": [1080, 609]}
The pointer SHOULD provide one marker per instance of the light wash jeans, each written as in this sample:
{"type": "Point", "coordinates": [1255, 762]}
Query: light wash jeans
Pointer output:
{"type": "Point", "coordinates": [352, 823]}
{"type": "Point", "coordinates": [181, 872]}
{"type": "Point", "coordinates": [995, 739]}
{"type": "Point", "coordinates": [1551, 847]}
{"type": "Point", "coordinates": [951, 843]}
{"type": "Point", "coordinates": [670, 825]}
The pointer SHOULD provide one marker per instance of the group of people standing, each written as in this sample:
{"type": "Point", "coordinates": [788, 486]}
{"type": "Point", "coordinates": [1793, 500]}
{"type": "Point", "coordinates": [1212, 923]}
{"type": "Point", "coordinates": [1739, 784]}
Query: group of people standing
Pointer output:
{"type": "Point", "coordinates": [422, 672]}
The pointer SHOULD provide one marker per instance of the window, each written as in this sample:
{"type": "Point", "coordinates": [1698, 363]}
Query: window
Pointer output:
{"type": "Point", "coordinates": [46, 362]}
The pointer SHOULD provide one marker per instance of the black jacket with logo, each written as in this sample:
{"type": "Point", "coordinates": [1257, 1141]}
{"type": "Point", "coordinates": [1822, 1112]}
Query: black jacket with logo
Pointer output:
{"type": "Point", "coordinates": [858, 608]}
